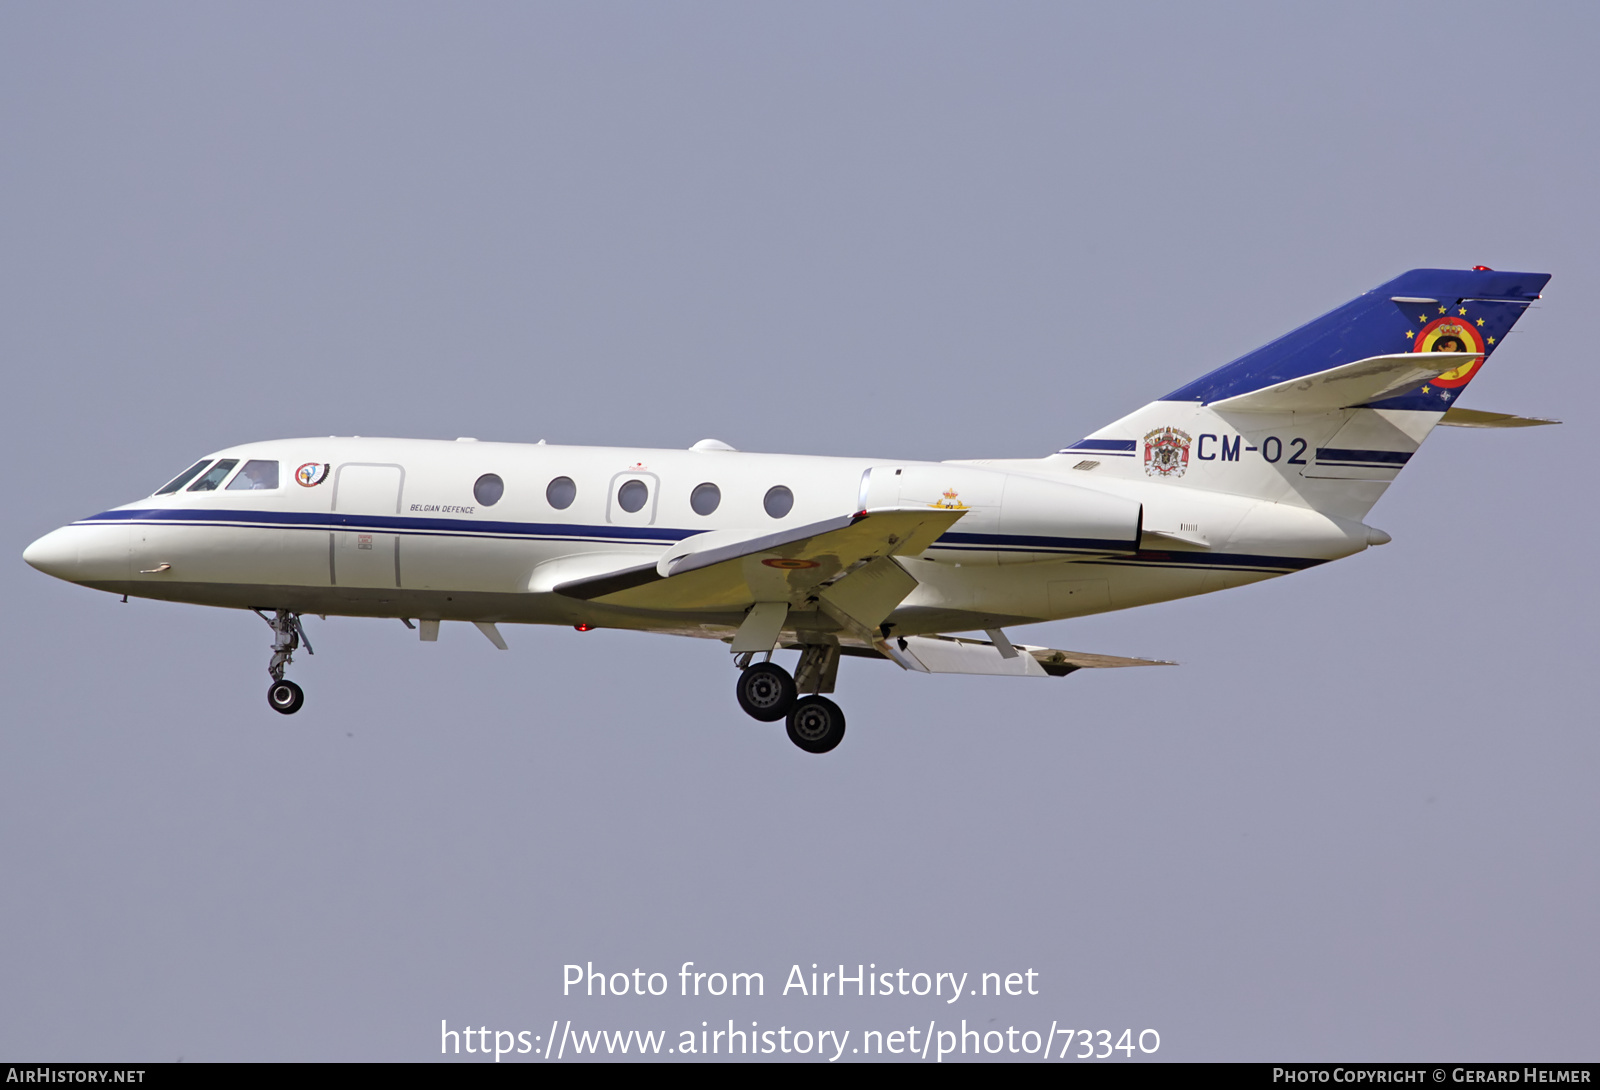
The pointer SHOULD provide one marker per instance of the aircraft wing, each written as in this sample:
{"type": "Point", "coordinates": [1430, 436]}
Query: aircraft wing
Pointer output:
{"type": "Point", "coordinates": [851, 554]}
{"type": "Point", "coordinates": [953, 655]}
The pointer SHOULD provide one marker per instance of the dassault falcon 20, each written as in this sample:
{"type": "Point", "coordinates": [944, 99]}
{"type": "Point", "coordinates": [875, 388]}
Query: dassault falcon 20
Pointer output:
{"type": "Point", "coordinates": [1267, 465]}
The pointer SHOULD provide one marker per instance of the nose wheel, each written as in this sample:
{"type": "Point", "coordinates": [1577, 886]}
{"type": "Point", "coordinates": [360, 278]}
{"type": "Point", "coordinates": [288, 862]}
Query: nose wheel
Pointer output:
{"type": "Point", "coordinates": [284, 696]}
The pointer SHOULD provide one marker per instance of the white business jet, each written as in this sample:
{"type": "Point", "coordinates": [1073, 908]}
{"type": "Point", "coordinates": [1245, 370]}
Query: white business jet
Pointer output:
{"type": "Point", "coordinates": [1265, 466]}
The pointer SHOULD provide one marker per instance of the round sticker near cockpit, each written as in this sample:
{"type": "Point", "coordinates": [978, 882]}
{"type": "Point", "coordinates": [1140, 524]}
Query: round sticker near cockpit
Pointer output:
{"type": "Point", "coordinates": [312, 473]}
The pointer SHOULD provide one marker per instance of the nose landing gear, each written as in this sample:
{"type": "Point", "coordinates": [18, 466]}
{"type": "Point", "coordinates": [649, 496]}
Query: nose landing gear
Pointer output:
{"type": "Point", "coordinates": [284, 697]}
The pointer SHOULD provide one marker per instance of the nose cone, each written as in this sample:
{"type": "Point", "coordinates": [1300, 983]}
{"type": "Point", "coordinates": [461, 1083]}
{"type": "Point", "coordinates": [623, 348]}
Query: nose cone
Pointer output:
{"type": "Point", "coordinates": [95, 555]}
{"type": "Point", "coordinates": [56, 553]}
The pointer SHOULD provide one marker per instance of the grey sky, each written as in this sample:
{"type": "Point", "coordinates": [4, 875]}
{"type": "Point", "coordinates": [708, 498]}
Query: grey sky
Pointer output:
{"type": "Point", "coordinates": [1359, 821]}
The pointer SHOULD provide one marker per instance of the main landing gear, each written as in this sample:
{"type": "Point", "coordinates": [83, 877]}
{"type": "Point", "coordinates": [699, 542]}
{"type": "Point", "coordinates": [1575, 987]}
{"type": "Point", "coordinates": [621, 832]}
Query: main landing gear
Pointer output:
{"type": "Point", "coordinates": [284, 696]}
{"type": "Point", "coordinates": [816, 724]}
{"type": "Point", "coordinates": [767, 692]}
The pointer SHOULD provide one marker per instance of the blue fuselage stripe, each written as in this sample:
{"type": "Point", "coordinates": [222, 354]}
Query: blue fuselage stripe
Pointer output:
{"type": "Point", "coordinates": [396, 524]}
{"type": "Point", "coordinates": [1341, 455]}
{"type": "Point", "coordinates": [1066, 547]}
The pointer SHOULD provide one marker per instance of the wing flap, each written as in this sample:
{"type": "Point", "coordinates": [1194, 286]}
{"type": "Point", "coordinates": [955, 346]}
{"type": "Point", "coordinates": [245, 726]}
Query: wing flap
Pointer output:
{"type": "Point", "coordinates": [946, 655]}
{"type": "Point", "coordinates": [954, 655]}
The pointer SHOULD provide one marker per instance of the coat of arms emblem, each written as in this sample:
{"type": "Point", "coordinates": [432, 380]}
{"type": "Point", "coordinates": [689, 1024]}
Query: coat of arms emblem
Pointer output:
{"type": "Point", "coordinates": [1166, 452]}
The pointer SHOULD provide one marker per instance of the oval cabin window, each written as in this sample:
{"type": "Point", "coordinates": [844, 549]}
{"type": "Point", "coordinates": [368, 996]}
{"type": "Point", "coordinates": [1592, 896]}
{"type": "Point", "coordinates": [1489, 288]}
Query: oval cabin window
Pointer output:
{"type": "Point", "coordinates": [561, 492]}
{"type": "Point", "coordinates": [488, 489]}
{"type": "Point", "coordinates": [779, 501]}
{"type": "Point", "coordinates": [632, 495]}
{"type": "Point", "coordinates": [705, 498]}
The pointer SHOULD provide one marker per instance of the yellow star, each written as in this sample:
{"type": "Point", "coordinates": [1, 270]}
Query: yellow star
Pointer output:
{"type": "Point", "coordinates": [1441, 310]}
{"type": "Point", "coordinates": [1480, 322]}
{"type": "Point", "coordinates": [1491, 340]}
{"type": "Point", "coordinates": [1409, 334]}
{"type": "Point", "coordinates": [1426, 390]}
{"type": "Point", "coordinates": [1462, 311]}
{"type": "Point", "coordinates": [1422, 317]}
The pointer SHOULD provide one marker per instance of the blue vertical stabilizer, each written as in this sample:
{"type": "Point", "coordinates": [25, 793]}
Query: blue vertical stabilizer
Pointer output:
{"type": "Point", "coordinates": [1424, 310]}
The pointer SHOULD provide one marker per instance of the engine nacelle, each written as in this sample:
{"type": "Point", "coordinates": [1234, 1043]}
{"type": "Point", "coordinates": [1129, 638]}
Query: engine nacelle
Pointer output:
{"type": "Point", "coordinates": [1010, 519]}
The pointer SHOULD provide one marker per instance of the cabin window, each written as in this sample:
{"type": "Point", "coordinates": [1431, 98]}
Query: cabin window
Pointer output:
{"type": "Point", "coordinates": [705, 498]}
{"type": "Point", "coordinates": [214, 476]}
{"type": "Point", "coordinates": [779, 501]}
{"type": "Point", "coordinates": [488, 489]}
{"type": "Point", "coordinates": [183, 478]}
{"type": "Point", "coordinates": [561, 492]}
{"type": "Point", "coordinates": [632, 495]}
{"type": "Point", "coordinates": [257, 475]}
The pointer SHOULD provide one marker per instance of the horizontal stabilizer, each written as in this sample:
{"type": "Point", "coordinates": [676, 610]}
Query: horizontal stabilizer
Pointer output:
{"type": "Point", "coordinates": [953, 655]}
{"type": "Point", "coordinates": [1371, 379]}
{"type": "Point", "coordinates": [1474, 418]}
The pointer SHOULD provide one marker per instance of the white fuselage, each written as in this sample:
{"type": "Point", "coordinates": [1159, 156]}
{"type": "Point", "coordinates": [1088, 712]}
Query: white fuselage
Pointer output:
{"type": "Point", "coordinates": [392, 528]}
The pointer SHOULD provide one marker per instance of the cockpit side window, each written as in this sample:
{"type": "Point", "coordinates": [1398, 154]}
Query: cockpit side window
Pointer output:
{"type": "Point", "coordinates": [183, 478]}
{"type": "Point", "coordinates": [258, 474]}
{"type": "Point", "coordinates": [214, 476]}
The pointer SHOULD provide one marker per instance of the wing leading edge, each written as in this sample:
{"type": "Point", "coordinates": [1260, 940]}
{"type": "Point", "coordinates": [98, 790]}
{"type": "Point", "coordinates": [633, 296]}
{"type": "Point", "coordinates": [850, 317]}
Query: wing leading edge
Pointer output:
{"type": "Point", "coordinates": [712, 572]}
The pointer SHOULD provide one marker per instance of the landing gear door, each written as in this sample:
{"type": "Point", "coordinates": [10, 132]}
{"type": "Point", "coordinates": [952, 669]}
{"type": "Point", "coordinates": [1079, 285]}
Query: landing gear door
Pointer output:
{"type": "Point", "coordinates": [365, 551]}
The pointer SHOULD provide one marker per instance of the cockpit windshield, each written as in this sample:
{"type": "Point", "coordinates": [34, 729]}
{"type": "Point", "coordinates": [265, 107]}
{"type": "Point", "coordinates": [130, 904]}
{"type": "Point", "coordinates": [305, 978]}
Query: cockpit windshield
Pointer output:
{"type": "Point", "coordinates": [257, 474]}
{"type": "Point", "coordinates": [183, 478]}
{"type": "Point", "coordinates": [214, 476]}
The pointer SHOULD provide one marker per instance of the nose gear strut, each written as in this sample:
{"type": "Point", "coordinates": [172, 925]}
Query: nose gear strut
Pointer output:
{"type": "Point", "coordinates": [284, 697]}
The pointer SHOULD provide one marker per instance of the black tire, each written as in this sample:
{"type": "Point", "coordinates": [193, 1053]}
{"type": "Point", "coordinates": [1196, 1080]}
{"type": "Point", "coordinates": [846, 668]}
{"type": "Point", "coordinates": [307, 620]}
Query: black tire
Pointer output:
{"type": "Point", "coordinates": [816, 724]}
{"type": "Point", "coordinates": [766, 692]}
{"type": "Point", "coordinates": [285, 697]}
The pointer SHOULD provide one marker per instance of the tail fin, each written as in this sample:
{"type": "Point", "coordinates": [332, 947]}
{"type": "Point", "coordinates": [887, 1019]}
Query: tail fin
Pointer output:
{"type": "Point", "coordinates": [1423, 310]}
{"type": "Point", "coordinates": [1327, 415]}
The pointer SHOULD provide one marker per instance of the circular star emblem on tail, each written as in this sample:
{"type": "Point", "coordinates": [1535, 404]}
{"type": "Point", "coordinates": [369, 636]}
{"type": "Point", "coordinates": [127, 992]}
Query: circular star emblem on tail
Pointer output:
{"type": "Point", "coordinates": [1166, 452]}
{"type": "Point", "coordinates": [1452, 333]}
